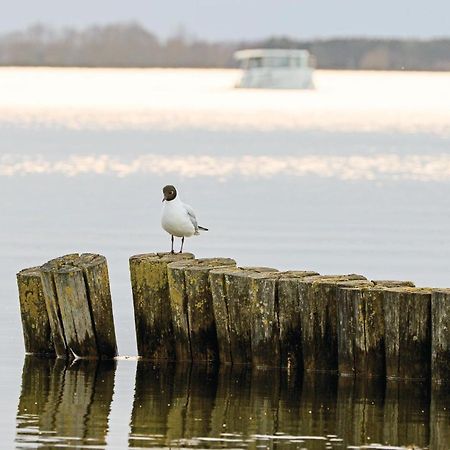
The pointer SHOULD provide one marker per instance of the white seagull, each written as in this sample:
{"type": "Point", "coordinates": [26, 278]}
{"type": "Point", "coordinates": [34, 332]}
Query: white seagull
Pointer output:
{"type": "Point", "coordinates": [178, 219]}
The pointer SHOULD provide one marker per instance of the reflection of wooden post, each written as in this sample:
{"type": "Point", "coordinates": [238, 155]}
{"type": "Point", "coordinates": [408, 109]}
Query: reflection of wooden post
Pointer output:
{"type": "Point", "coordinates": [317, 298]}
{"type": "Point", "coordinates": [401, 398]}
{"type": "Point", "coordinates": [33, 312]}
{"type": "Point", "coordinates": [439, 407]}
{"type": "Point", "coordinates": [289, 317]}
{"type": "Point", "coordinates": [70, 402]}
{"type": "Point", "coordinates": [440, 336]}
{"type": "Point", "coordinates": [153, 399]}
{"type": "Point", "coordinates": [202, 324]}
{"type": "Point", "coordinates": [359, 403]}
{"type": "Point", "coordinates": [151, 301]}
{"type": "Point", "coordinates": [34, 394]}
{"type": "Point", "coordinates": [318, 403]}
{"type": "Point", "coordinates": [408, 333]}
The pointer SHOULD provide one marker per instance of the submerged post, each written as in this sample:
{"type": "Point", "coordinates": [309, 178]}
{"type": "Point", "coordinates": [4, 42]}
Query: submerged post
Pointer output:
{"type": "Point", "coordinates": [193, 321]}
{"type": "Point", "coordinates": [230, 288]}
{"type": "Point", "coordinates": [440, 336]}
{"type": "Point", "coordinates": [318, 303]}
{"type": "Point", "coordinates": [268, 312]}
{"type": "Point", "coordinates": [78, 299]}
{"type": "Point", "coordinates": [33, 312]}
{"type": "Point", "coordinates": [52, 303]}
{"type": "Point", "coordinates": [361, 336]}
{"type": "Point", "coordinates": [289, 317]}
{"type": "Point", "coordinates": [408, 332]}
{"type": "Point", "coordinates": [152, 311]}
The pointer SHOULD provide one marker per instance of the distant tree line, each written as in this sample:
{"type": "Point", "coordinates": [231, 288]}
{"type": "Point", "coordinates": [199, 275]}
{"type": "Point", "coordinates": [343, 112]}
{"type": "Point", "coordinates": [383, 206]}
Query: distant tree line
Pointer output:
{"type": "Point", "coordinates": [131, 45]}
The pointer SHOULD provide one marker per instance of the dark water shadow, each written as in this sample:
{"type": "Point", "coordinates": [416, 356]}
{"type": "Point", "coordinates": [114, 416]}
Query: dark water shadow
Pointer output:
{"type": "Point", "coordinates": [202, 407]}
{"type": "Point", "coordinates": [63, 404]}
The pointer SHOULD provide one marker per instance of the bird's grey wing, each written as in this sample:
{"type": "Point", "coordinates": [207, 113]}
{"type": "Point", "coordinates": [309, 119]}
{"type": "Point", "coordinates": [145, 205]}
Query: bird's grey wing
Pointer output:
{"type": "Point", "coordinates": [192, 217]}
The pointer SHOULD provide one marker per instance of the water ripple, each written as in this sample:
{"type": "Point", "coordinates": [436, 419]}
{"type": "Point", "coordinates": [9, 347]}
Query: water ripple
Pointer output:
{"type": "Point", "coordinates": [351, 167]}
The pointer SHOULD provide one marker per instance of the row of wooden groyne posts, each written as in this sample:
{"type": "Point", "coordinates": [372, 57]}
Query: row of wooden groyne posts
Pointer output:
{"type": "Point", "coordinates": [211, 311]}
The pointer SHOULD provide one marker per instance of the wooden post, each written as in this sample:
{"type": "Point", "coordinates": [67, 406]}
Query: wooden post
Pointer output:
{"type": "Point", "coordinates": [192, 311]}
{"type": "Point", "coordinates": [79, 308]}
{"type": "Point", "coordinates": [361, 347]}
{"type": "Point", "coordinates": [35, 323]}
{"type": "Point", "coordinates": [200, 311]}
{"type": "Point", "coordinates": [440, 336]}
{"type": "Point", "coordinates": [266, 302]}
{"type": "Point", "coordinates": [75, 314]}
{"type": "Point", "coordinates": [95, 270]}
{"type": "Point", "coordinates": [51, 302]}
{"type": "Point", "coordinates": [263, 320]}
{"type": "Point", "coordinates": [408, 332]}
{"type": "Point", "coordinates": [317, 295]}
{"type": "Point", "coordinates": [230, 289]}
{"type": "Point", "coordinates": [178, 307]}
{"type": "Point", "coordinates": [289, 317]}
{"type": "Point", "coordinates": [152, 312]}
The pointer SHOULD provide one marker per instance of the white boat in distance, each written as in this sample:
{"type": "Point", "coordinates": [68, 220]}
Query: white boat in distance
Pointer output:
{"type": "Point", "coordinates": [276, 69]}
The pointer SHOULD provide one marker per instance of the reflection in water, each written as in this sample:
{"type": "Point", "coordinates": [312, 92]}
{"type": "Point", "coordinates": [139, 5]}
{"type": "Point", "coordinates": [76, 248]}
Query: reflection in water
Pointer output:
{"type": "Point", "coordinates": [205, 407]}
{"type": "Point", "coordinates": [64, 405]}
{"type": "Point", "coordinates": [234, 408]}
{"type": "Point", "coordinates": [423, 168]}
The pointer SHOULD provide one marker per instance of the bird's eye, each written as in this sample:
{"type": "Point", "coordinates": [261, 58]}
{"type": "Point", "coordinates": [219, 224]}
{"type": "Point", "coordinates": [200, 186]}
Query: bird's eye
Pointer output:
{"type": "Point", "coordinates": [171, 192]}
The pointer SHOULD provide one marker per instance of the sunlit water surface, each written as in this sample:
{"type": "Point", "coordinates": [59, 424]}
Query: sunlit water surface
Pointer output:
{"type": "Point", "coordinates": [351, 177]}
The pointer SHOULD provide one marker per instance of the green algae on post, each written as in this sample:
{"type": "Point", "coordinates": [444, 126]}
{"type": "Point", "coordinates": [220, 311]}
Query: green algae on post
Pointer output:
{"type": "Point", "coordinates": [151, 301]}
{"type": "Point", "coordinates": [440, 336]}
{"type": "Point", "coordinates": [408, 332]}
{"type": "Point", "coordinates": [33, 312]}
{"type": "Point", "coordinates": [201, 319]}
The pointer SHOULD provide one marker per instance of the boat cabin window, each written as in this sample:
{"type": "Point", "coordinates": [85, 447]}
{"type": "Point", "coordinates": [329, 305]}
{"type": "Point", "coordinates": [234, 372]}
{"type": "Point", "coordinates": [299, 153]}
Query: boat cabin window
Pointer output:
{"type": "Point", "coordinates": [253, 62]}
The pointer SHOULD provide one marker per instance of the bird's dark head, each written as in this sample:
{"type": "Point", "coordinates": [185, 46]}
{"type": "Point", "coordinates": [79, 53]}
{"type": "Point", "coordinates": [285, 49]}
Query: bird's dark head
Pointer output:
{"type": "Point", "coordinates": [169, 192]}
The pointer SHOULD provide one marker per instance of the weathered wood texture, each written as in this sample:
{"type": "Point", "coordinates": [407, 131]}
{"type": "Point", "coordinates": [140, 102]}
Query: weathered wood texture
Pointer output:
{"type": "Point", "coordinates": [200, 311]}
{"type": "Point", "coordinates": [95, 271]}
{"type": "Point", "coordinates": [266, 304]}
{"type": "Point", "coordinates": [440, 336]}
{"type": "Point", "coordinates": [361, 347]}
{"type": "Point", "coordinates": [35, 323]}
{"type": "Point", "coordinates": [76, 317]}
{"type": "Point", "coordinates": [178, 306]}
{"type": "Point", "coordinates": [407, 316]}
{"type": "Point", "coordinates": [230, 288]}
{"type": "Point", "coordinates": [52, 304]}
{"type": "Point", "coordinates": [289, 318]}
{"type": "Point", "coordinates": [192, 310]}
{"type": "Point", "coordinates": [318, 303]}
{"type": "Point", "coordinates": [78, 301]}
{"type": "Point", "coordinates": [152, 304]}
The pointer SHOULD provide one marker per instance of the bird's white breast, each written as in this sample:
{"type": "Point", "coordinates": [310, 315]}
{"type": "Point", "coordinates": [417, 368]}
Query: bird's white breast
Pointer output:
{"type": "Point", "coordinates": [175, 219]}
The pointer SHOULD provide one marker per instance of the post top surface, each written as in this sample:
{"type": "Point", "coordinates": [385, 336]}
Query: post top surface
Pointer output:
{"type": "Point", "coordinates": [162, 257]}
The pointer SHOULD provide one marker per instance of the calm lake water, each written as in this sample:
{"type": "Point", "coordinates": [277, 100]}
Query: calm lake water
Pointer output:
{"type": "Point", "coordinates": [351, 177]}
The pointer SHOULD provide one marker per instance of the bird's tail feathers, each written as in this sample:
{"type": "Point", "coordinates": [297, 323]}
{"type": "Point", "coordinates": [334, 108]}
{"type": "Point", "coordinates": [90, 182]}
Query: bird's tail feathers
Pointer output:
{"type": "Point", "coordinates": [203, 228]}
